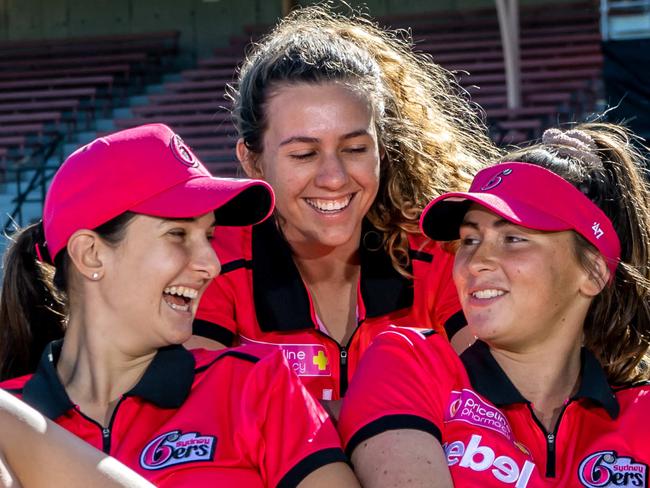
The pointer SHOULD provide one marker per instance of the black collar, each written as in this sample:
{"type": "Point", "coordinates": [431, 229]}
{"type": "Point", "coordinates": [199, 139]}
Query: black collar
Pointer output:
{"type": "Point", "coordinates": [166, 382]}
{"type": "Point", "coordinates": [282, 301]}
{"type": "Point", "coordinates": [491, 381]}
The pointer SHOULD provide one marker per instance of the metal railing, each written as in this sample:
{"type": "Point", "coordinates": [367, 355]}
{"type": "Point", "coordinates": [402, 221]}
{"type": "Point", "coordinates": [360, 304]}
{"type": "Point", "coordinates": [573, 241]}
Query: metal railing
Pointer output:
{"type": "Point", "coordinates": [34, 188]}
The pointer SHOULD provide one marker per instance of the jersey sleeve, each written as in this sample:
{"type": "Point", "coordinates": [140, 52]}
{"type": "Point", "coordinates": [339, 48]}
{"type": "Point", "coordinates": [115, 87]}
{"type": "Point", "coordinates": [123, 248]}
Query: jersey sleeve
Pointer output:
{"type": "Point", "coordinates": [440, 295]}
{"type": "Point", "coordinates": [404, 381]}
{"type": "Point", "coordinates": [215, 317]}
{"type": "Point", "coordinates": [294, 435]}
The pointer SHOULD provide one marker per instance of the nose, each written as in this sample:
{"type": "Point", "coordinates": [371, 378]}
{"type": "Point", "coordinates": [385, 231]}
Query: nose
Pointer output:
{"type": "Point", "coordinates": [483, 258]}
{"type": "Point", "coordinates": [332, 173]}
{"type": "Point", "coordinates": [206, 262]}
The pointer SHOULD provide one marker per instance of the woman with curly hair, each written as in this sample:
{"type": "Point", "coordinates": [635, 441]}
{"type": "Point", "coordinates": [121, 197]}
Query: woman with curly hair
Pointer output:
{"type": "Point", "coordinates": [553, 271]}
{"type": "Point", "coordinates": [355, 132]}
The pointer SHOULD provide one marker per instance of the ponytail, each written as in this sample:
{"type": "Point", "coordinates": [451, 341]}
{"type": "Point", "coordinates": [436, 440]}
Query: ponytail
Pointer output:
{"type": "Point", "coordinates": [32, 311]}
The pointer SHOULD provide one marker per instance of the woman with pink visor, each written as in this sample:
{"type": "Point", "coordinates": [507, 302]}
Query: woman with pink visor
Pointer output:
{"type": "Point", "coordinates": [552, 271]}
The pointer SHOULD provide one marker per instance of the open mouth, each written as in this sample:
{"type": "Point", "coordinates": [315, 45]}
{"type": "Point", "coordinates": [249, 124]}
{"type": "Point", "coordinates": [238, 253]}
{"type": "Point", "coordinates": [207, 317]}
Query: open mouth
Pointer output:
{"type": "Point", "coordinates": [487, 294]}
{"type": "Point", "coordinates": [328, 206]}
{"type": "Point", "coordinates": [180, 298]}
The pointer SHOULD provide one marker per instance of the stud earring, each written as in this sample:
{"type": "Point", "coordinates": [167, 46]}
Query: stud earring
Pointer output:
{"type": "Point", "coordinates": [95, 275]}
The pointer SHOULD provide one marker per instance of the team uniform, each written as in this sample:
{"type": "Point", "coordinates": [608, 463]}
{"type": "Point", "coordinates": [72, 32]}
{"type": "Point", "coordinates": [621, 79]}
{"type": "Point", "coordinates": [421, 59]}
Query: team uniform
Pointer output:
{"type": "Point", "coordinates": [489, 433]}
{"type": "Point", "coordinates": [235, 417]}
{"type": "Point", "coordinates": [260, 297]}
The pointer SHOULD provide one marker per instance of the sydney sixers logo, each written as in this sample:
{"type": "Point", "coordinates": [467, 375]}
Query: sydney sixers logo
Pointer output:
{"type": "Point", "coordinates": [174, 448]}
{"type": "Point", "coordinates": [606, 469]}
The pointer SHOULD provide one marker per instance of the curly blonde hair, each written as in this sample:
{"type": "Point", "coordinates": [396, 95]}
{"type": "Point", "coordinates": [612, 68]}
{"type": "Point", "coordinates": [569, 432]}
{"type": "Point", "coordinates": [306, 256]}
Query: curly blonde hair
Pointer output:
{"type": "Point", "coordinates": [434, 138]}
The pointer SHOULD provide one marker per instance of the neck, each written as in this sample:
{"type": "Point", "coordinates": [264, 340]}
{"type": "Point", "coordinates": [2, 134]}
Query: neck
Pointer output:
{"type": "Point", "coordinates": [94, 371]}
{"type": "Point", "coordinates": [546, 380]}
{"type": "Point", "coordinates": [318, 263]}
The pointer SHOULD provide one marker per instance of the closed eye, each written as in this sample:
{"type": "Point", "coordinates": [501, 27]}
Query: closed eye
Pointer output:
{"type": "Point", "coordinates": [356, 149]}
{"type": "Point", "coordinates": [177, 232]}
{"type": "Point", "coordinates": [303, 156]}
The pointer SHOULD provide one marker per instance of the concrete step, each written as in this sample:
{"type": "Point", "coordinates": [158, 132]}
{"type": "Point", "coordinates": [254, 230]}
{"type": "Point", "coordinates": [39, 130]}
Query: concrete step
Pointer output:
{"type": "Point", "coordinates": [122, 113]}
{"type": "Point", "coordinates": [171, 77]}
{"type": "Point", "coordinates": [138, 100]}
{"type": "Point", "coordinates": [154, 88]}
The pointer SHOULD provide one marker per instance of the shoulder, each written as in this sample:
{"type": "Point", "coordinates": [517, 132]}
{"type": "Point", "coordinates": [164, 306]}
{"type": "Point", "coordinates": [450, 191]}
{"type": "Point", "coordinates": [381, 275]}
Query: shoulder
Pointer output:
{"type": "Point", "coordinates": [633, 397]}
{"type": "Point", "coordinates": [232, 243]}
{"type": "Point", "coordinates": [236, 362]}
{"type": "Point", "coordinates": [424, 347]}
{"type": "Point", "coordinates": [245, 355]}
{"type": "Point", "coordinates": [15, 385]}
{"type": "Point", "coordinates": [424, 249]}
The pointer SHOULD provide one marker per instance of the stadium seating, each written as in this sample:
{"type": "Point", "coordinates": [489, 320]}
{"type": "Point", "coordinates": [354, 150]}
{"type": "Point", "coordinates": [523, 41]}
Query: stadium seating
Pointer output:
{"type": "Point", "coordinates": [561, 64]}
{"type": "Point", "coordinates": [56, 87]}
{"type": "Point", "coordinates": [61, 86]}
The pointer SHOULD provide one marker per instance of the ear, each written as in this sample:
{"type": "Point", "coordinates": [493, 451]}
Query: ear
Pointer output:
{"type": "Point", "coordinates": [597, 277]}
{"type": "Point", "coordinates": [84, 249]}
{"type": "Point", "coordinates": [247, 160]}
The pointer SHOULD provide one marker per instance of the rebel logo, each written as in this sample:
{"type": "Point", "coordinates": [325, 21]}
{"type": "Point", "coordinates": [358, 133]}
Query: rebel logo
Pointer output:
{"type": "Point", "coordinates": [173, 448]}
{"type": "Point", "coordinates": [606, 469]}
{"type": "Point", "coordinates": [482, 458]}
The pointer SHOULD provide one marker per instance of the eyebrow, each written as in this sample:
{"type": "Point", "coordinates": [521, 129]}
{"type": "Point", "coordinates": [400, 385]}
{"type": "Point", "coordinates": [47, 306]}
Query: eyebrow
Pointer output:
{"type": "Point", "coordinates": [498, 223]}
{"type": "Point", "coordinates": [308, 140]}
{"type": "Point", "coordinates": [186, 219]}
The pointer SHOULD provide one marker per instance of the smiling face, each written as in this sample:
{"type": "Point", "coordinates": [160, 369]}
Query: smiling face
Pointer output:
{"type": "Point", "coordinates": [321, 156]}
{"type": "Point", "coordinates": [155, 277]}
{"type": "Point", "coordinates": [520, 288]}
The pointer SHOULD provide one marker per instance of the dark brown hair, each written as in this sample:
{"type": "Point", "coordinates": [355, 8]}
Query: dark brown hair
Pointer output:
{"type": "Point", "coordinates": [617, 327]}
{"type": "Point", "coordinates": [33, 298]}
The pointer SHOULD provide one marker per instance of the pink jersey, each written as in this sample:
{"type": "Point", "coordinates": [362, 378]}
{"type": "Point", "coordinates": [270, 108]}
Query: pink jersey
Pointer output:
{"type": "Point", "coordinates": [235, 417]}
{"type": "Point", "coordinates": [260, 297]}
{"type": "Point", "coordinates": [489, 433]}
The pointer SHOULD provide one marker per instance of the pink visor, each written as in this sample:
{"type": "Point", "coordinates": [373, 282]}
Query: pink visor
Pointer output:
{"type": "Point", "coordinates": [527, 195]}
{"type": "Point", "coordinates": [147, 170]}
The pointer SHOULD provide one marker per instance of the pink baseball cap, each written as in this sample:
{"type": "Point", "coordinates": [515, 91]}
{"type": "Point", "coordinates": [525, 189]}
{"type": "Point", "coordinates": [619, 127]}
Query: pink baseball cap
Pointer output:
{"type": "Point", "coordinates": [147, 170]}
{"type": "Point", "coordinates": [527, 195]}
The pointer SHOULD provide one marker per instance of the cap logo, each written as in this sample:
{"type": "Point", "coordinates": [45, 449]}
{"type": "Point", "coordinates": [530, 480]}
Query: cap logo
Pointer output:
{"type": "Point", "coordinates": [496, 180]}
{"type": "Point", "coordinates": [598, 232]}
{"type": "Point", "coordinates": [182, 152]}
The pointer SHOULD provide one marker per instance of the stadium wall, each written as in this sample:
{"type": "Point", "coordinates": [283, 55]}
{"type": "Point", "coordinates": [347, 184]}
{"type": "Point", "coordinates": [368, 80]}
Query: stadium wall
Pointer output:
{"type": "Point", "coordinates": [204, 24]}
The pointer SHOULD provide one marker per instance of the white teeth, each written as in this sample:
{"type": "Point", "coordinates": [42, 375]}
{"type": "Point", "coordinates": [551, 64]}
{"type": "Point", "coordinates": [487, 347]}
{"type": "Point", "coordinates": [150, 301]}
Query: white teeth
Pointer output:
{"type": "Point", "coordinates": [182, 291]}
{"type": "Point", "coordinates": [329, 205]}
{"type": "Point", "coordinates": [180, 308]}
{"type": "Point", "coordinates": [482, 294]}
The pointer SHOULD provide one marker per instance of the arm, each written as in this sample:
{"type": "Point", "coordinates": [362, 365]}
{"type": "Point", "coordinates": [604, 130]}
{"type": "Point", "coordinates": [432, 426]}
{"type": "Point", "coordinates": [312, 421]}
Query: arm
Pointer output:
{"type": "Point", "coordinates": [402, 457]}
{"type": "Point", "coordinates": [35, 452]}
{"type": "Point", "coordinates": [336, 474]}
{"type": "Point", "coordinates": [392, 416]}
{"type": "Point", "coordinates": [443, 310]}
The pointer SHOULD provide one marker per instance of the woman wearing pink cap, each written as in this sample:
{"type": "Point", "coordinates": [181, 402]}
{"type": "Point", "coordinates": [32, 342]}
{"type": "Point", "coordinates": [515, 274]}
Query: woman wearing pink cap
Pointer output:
{"type": "Point", "coordinates": [552, 268]}
{"type": "Point", "coordinates": [124, 255]}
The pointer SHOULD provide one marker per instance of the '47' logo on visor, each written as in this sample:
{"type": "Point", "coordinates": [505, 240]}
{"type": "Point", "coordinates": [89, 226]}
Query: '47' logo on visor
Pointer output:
{"type": "Point", "coordinates": [607, 469]}
{"type": "Point", "coordinates": [174, 448]}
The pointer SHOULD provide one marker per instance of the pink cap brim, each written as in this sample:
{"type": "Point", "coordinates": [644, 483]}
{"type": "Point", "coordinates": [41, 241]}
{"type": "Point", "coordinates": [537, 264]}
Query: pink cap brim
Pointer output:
{"type": "Point", "coordinates": [234, 201]}
{"type": "Point", "coordinates": [527, 195]}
